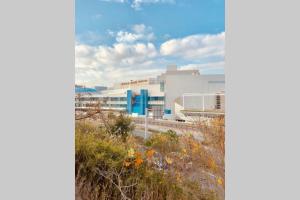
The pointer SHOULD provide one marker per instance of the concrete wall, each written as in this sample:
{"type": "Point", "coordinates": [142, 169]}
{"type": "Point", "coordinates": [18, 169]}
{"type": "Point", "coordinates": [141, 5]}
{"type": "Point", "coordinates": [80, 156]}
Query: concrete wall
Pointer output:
{"type": "Point", "coordinates": [178, 84]}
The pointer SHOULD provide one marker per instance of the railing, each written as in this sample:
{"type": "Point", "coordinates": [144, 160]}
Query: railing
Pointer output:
{"type": "Point", "coordinates": [170, 124]}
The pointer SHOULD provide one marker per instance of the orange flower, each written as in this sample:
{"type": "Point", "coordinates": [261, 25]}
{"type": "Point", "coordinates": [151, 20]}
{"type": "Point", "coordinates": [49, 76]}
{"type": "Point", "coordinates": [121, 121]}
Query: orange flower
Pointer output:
{"type": "Point", "coordinates": [150, 153]}
{"type": "Point", "coordinates": [138, 154]}
{"type": "Point", "coordinates": [138, 161]}
{"type": "Point", "coordinates": [212, 164]}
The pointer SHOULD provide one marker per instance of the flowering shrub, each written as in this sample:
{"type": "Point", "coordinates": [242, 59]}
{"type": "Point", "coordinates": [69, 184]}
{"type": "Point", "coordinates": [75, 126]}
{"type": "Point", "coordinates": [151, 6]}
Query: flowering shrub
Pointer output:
{"type": "Point", "coordinates": [108, 168]}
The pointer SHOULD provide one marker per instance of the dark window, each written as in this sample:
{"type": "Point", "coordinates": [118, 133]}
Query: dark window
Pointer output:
{"type": "Point", "coordinates": [118, 98]}
{"type": "Point", "coordinates": [162, 86]}
{"type": "Point", "coordinates": [218, 102]}
{"type": "Point", "coordinates": [156, 98]}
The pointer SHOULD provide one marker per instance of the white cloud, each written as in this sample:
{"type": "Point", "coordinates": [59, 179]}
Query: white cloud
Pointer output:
{"type": "Point", "coordinates": [137, 4]}
{"type": "Point", "coordinates": [195, 47]}
{"type": "Point", "coordinates": [107, 64]}
{"type": "Point", "coordinates": [205, 67]}
{"type": "Point", "coordinates": [139, 32]}
{"type": "Point", "coordinates": [134, 56]}
{"type": "Point", "coordinates": [140, 28]}
{"type": "Point", "coordinates": [97, 16]}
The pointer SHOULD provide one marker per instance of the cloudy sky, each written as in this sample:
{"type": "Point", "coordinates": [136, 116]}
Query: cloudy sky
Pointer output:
{"type": "Point", "coordinates": [121, 40]}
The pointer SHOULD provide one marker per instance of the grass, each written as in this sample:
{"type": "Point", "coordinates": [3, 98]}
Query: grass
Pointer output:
{"type": "Point", "coordinates": [163, 167]}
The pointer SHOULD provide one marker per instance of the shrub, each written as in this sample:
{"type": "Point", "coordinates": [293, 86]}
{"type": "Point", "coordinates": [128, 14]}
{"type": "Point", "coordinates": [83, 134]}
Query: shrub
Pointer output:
{"type": "Point", "coordinates": [107, 168]}
{"type": "Point", "coordinates": [164, 142]}
{"type": "Point", "coordinates": [120, 125]}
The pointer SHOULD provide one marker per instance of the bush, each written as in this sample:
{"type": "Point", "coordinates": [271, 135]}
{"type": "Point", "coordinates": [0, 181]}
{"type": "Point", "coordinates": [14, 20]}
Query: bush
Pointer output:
{"type": "Point", "coordinates": [120, 125]}
{"type": "Point", "coordinates": [107, 168]}
{"type": "Point", "coordinates": [164, 142]}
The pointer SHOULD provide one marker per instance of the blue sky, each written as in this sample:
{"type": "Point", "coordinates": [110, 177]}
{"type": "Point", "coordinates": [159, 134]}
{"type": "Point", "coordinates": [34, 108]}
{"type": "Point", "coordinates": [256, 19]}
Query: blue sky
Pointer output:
{"type": "Point", "coordinates": [128, 39]}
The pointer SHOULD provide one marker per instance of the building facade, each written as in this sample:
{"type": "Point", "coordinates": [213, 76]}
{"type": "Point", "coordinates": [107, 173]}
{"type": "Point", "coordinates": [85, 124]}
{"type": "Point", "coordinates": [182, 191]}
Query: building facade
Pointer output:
{"type": "Point", "coordinates": [161, 94]}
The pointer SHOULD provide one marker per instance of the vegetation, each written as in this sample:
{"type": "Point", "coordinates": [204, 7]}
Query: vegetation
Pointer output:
{"type": "Point", "coordinates": [113, 164]}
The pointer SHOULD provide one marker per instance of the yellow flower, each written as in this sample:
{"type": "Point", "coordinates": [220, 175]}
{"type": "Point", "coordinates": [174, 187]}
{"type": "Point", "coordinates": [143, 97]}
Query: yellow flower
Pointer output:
{"type": "Point", "coordinates": [169, 160]}
{"type": "Point", "coordinates": [150, 153]}
{"type": "Point", "coordinates": [220, 181]}
{"type": "Point", "coordinates": [131, 153]}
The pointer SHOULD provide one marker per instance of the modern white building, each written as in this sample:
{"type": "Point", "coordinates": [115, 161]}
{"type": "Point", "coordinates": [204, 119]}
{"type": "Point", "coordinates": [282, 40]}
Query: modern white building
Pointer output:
{"type": "Point", "coordinates": [166, 95]}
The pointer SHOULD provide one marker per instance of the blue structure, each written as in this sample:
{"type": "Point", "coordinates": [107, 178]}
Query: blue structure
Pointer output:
{"type": "Point", "coordinates": [143, 101]}
{"type": "Point", "coordinates": [138, 103]}
{"type": "Point", "coordinates": [129, 101]}
{"type": "Point", "coordinates": [84, 90]}
{"type": "Point", "coordinates": [167, 111]}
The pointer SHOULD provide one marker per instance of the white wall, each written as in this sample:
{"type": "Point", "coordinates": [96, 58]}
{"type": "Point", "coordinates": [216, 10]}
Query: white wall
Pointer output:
{"type": "Point", "coordinates": [178, 84]}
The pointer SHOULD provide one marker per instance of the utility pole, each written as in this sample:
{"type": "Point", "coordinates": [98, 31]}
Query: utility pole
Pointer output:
{"type": "Point", "coordinates": [146, 122]}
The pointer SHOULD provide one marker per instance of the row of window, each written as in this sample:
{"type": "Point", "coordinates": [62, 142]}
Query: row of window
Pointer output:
{"type": "Point", "coordinates": [87, 99]}
{"type": "Point", "coordinates": [125, 99]}
{"type": "Point", "coordinates": [85, 105]}
{"type": "Point", "coordinates": [156, 98]}
{"type": "Point", "coordinates": [115, 105]}
{"type": "Point", "coordinates": [116, 99]}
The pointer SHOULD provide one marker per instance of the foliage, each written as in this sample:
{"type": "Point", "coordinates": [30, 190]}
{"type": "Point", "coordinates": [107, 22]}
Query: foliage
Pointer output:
{"type": "Point", "coordinates": [214, 133]}
{"type": "Point", "coordinates": [120, 125]}
{"type": "Point", "coordinates": [164, 142]}
{"type": "Point", "coordinates": [108, 168]}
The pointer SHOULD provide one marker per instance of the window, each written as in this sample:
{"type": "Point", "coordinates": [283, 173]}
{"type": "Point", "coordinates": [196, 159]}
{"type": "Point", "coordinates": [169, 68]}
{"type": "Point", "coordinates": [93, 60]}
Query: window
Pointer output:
{"type": "Point", "coordinates": [156, 98]}
{"type": "Point", "coordinates": [167, 111]}
{"type": "Point", "coordinates": [118, 98]}
{"type": "Point", "coordinates": [162, 86]}
{"type": "Point", "coordinates": [218, 102]}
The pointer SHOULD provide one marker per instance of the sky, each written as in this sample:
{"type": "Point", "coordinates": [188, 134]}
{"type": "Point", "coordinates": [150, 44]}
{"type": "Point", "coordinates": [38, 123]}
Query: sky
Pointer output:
{"type": "Point", "coordinates": [122, 40]}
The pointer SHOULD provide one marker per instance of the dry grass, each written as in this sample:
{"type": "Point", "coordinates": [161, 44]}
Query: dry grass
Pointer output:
{"type": "Point", "coordinates": [165, 166]}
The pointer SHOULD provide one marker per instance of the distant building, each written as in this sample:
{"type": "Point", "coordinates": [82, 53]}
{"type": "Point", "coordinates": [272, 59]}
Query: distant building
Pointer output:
{"type": "Point", "coordinates": [163, 95]}
{"type": "Point", "coordinates": [99, 89]}
{"type": "Point", "coordinates": [83, 89]}
{"type": "Point", "coordinates": [84, 97]}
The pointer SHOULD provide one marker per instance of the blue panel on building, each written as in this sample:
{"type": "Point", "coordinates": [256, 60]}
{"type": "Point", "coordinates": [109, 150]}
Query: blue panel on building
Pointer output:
{"type": "Point", "coordinates": [84, 90]}
{"type": "Point", "coordinates": [136, 106]}
{"type": "Point", "coordinates": [144, 101]}
{"type": "Point", "coordinates": [138, 103]}
{"type": "Point", "coordinates": [129, 101]}
{"type": "Point", "coordinates": [167, 111]}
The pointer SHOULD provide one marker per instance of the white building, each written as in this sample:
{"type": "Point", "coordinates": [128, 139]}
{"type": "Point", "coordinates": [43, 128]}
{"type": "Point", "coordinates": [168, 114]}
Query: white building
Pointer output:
{"type": "Point", "coordinates": [162, 94]}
